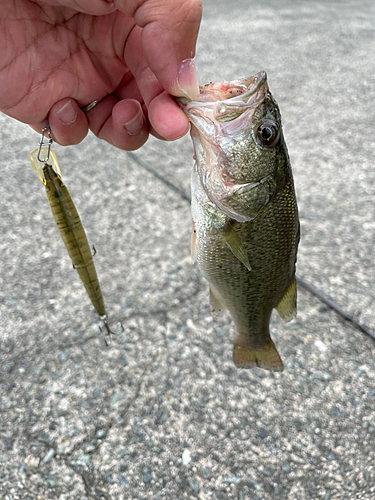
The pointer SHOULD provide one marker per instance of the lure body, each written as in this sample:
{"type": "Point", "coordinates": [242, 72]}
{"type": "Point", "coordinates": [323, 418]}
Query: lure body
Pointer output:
{"type": "Point", "coordinates": [73, 235]}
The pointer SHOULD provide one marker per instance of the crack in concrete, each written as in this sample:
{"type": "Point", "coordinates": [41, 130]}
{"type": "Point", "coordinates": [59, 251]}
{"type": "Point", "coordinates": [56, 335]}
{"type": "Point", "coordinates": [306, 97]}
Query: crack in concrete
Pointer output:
{"type": "Point", "coordinates": [348, 317]}
{"type": "Point", "coordinates": [89, 478]}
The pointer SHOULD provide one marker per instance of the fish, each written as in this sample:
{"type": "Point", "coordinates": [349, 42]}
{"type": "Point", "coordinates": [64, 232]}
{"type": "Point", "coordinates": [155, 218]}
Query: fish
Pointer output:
{"type": "Point", "coordinates": [245, 229]}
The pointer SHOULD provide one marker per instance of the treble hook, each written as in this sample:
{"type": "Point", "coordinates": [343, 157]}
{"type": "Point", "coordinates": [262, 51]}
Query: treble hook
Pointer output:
{"type": "Point", "coordinates": [41, 144]}
{"type": "Point", "coordinates": [108, 332]}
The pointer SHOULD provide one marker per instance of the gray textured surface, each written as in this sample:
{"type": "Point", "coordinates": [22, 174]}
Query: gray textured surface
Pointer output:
{"type": "Point", "coordinates": [79, 421]}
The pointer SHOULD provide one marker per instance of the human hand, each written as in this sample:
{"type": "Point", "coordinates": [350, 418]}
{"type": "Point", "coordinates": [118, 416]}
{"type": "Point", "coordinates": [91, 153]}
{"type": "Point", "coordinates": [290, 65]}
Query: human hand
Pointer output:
{"type": "Point", "coordinates": [57, 56]}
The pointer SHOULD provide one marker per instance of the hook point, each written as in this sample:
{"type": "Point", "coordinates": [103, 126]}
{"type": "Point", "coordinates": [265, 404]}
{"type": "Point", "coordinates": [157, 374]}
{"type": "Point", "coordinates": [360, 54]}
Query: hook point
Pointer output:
{"type": "Point", "coordinates": [107, 330]}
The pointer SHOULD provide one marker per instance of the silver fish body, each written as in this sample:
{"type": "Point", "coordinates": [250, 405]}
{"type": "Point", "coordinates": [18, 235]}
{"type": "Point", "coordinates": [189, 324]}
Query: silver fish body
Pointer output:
{"type": "Point", "coordinates": [245, 217]}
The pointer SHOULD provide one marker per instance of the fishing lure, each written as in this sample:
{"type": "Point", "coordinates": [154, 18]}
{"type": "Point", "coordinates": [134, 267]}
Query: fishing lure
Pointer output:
{"type": "Point", "coordinates": [68, 223]}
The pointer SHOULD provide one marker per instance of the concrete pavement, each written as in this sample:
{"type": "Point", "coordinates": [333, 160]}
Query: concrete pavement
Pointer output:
{"type": "Point", "coordinates": [163, 413]}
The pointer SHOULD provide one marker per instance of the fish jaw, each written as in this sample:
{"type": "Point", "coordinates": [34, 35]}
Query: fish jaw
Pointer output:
{"type": "Point", "coordinates": [230, 162]}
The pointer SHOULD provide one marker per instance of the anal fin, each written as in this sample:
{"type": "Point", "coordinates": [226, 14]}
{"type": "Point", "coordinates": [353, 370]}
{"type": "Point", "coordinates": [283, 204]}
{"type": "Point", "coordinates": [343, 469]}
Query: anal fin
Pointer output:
{"type": "Point", "coordinates": [267, 357]}
{"type": "Point", "coordinates": [235, 243]}
{"type": "Point", "coordinates": [287, 306]}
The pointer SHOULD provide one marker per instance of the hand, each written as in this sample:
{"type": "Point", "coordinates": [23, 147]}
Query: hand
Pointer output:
{"type": "Point", "coordinates": [57, 56]}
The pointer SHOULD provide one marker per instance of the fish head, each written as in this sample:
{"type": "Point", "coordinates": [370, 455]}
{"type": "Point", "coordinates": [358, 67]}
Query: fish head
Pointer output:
{"type": "Point", "coordinates": [239, 149]}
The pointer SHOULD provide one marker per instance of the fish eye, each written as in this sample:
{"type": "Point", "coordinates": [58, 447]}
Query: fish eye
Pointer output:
{"type": "Point", "coordinates": [267, 133]}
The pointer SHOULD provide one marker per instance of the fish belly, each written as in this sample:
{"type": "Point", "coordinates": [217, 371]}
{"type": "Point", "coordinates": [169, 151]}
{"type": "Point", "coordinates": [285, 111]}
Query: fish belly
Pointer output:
{"type": "Point", "coordinates": [270, 241]}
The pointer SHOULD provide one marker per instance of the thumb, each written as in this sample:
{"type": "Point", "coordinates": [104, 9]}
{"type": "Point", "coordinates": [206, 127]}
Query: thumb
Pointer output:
{"type": "Point", "coordinates": [169, 34]}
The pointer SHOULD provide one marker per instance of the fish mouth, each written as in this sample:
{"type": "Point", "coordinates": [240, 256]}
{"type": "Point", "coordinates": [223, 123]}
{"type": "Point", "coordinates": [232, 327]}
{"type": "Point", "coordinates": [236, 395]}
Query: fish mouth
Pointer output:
{"type": "Point", "coordinates": [228, 100]}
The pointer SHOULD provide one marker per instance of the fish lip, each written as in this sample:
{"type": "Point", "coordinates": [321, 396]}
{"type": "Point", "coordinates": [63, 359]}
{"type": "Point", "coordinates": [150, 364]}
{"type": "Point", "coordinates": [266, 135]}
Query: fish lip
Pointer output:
{"type": "Point", "coordinates": [260, 80]}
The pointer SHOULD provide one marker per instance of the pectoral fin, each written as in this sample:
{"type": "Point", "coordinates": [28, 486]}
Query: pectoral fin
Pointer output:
{"type": "Point", "coordinates": [235, 243]}
{"type": "Point", "coordinates": [216, 306]}
{"type": "Point", "coordinates": [287, 306]}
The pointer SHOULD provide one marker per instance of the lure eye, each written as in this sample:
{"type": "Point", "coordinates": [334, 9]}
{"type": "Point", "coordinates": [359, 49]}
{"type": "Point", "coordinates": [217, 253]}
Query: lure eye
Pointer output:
{"type": "Point", "coordinates": [267, 133]}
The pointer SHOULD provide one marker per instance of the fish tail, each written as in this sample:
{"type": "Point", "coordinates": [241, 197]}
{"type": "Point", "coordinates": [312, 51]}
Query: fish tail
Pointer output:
{"type": "Point", "coordinates": [245, 356]}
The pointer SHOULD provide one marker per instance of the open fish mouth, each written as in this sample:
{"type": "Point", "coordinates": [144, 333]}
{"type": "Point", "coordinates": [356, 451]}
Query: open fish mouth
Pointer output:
{"type": "Point", "coordinates": [227, 100]}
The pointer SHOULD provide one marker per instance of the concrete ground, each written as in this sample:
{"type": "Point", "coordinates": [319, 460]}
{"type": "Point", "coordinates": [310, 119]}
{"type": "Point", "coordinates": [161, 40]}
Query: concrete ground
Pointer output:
{"type": "Point", "coordinates": [163, 413]}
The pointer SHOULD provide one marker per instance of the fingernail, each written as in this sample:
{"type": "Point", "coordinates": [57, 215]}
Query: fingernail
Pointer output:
{"type": "Point", "coordinates": [187, 81]}
{"type": "Point", "coordinates": [68, 113]}
{"type": "Point", "coordinates": [134, 125]}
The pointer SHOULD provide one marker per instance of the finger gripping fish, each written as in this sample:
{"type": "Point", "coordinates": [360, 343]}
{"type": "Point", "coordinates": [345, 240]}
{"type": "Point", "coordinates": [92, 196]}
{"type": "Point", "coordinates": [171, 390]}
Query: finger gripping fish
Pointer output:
{"type": "Point", "coordinates": [244, 209]}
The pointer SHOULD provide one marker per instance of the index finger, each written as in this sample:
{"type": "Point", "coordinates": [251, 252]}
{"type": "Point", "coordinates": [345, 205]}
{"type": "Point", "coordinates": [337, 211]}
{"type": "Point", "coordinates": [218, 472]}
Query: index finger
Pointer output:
{"type": "Point", "coordinates": [169, 34]}
{"type": "Point", "coordinates": [165, 116]}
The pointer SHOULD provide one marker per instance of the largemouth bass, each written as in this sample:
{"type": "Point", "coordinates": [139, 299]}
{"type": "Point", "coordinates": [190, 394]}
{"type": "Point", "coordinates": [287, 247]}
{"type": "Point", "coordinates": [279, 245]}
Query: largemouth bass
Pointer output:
{"type": "Point", "coordinates": [245, 218]}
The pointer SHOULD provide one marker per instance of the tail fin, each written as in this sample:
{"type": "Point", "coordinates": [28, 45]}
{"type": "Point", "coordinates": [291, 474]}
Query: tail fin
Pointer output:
{"type": "Point", "coordinates": [267, 357]}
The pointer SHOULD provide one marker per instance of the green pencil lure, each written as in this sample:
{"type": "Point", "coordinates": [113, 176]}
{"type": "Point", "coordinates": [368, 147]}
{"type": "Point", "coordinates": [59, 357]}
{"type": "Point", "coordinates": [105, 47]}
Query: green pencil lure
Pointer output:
{"type": "Point", "coordinates": [68, 223]}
